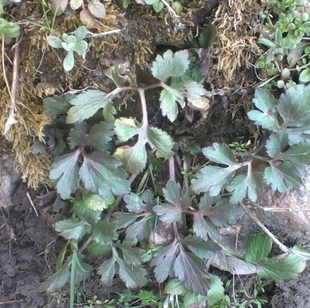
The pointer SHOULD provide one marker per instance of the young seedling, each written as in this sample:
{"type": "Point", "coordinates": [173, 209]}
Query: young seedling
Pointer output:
{"type": "Point", "coordinates": [71, 44]}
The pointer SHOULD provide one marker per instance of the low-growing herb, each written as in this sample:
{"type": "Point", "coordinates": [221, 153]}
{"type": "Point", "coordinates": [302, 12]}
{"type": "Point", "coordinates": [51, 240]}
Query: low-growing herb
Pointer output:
{"type": "Point", "coordinates": [71, 44]}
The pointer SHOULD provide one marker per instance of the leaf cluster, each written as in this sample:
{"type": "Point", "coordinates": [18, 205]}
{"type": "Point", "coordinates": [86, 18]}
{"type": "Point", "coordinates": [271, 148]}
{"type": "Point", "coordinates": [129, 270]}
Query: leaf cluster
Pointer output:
{"type": "Point", "coordinates": [157, 5]}
{"type": "Point", "coordinates": [101, 148]}
{"type": "Point", "coordinates": [287, 149]}
{"type": "Point", "coordinates": [184, 256]}
{"type": "Point", "coordinates": [287, 53]}
{"type": "Point", "coordinates": [90, 163]}
{"type": "Point", "coordinates": [89, 10]}
{"type": "Point", "coordinates": [71, 44]}
{"type": "Point", "coordinates": [87, 169]}
{"type": "Point", "coordinates": [178, 92]}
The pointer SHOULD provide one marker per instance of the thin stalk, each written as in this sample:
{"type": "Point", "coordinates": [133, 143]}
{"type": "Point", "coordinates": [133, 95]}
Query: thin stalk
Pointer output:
{"type": "Point", "coordinates": [134, 88]}
{"type": "Point", "coordinates": [143, 181]}
{"type": "Point", "coordinates": [150, 168]}
{"type": "Point", "coordinates": [274, 239]}
{"type": "Point", "coordinates": [171, 168]}
{"type": "Point", "coordinates": [175, 231]}
{"type": "Point", "coordinates": [97, 35]}
{"type": "Point", "coordinates": [85, 244]}
{"type": "Point", "coordinates": [263, 159]}
{"type": "Point", "coordinates": [145, 120]}
{"type": "Point", "coordinates": [72, 283]}
{"type": "Point", "coordinates": [4, 72]}
{"type": "Point", "coordinates": [249, 169]}
{"type": "Point", "coordinates": [267, 81]}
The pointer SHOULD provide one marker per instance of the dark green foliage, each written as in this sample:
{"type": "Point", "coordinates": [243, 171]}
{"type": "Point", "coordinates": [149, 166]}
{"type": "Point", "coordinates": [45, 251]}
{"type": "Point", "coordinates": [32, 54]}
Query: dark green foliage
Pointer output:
{"type": "Point", "coordinates": [287, 148]}
{"type": "Point", "coordinates": [91, 171]}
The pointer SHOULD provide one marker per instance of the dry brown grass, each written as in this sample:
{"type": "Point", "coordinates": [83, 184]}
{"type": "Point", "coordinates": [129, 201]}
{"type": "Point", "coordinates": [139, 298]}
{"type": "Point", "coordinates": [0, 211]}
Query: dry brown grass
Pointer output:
{"type": "Point", "coordinates": [236, 45]}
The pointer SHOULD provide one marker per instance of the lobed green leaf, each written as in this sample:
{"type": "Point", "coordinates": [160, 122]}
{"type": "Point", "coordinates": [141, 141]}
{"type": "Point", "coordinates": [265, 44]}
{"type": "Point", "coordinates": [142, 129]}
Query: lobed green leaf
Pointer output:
{"type": "Point", "coordinates": [86, 104]}
{"type": "Point", "coordinates": [282, 177]}
{"type": "Point", "coordinates": [243, 186]}
{"type": "Point", "coordinates": [126, 128]}
{"type": "Point", "coordinates": [161, 141]}
{"type": "Point", "coordinates": [102, 174]}
{"type": "Point", "coordinates": [133, 158]}
{"type": "Point", "coordinates": [104, 233]}
{"type": "Point", "coordinates": [221, 154]}
{"type": "Point", "coordinates": [107, 270]}
{"type": "Point", "coordinates": [70, 229]}
{"type": "Point", "coordinates": [82, 270]}
{"type": "Point", "coordinates": [258, 248]}
{"type": "Point", "coordinates": [163, 261]}
{"type": "Point", "coordinates": [204, 228]}
{"type": "Point", "coordinates": [213, 179]}
{"type": "Point", "coordinates": [133, 276]}
{"type": "Point", "coordinates": [56, 105]}
{"type": "Point", "coordinates": [276, 143]}
{"type": "Point", "coordinates": [192, 271]}
{"type": "Point", "coordinates": [281, 268]}
{"type": "Point", "coordinates": [264, 100]}
{"type": "Point", "coordinates": [294, 106]}
{"type": "Point", "coordinates": [56, 281]}
{"type": "Point", "coordinates": [266, 120]}
{"type": "Point", "coordinates": [173, 193]}
{"type": "Point", "coordinates": [66, 171]}
{"type": "Point", "coordinates": [170, 64]}
{"type": "Point", "coordinates": [222, 213]}
{"type": "Point", "coordinates": [168, 98]}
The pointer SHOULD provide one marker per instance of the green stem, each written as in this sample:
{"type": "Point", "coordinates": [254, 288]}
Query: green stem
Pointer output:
{"type": "Point", "coordinates": [145, 120]}
{"type": "Point", "coordinates": [72, 282]}
{"type": "Point", "coordinates": [143, 182]}
{"type": "Point", "coordinates": [133, 88]}
{"type": "Point", "coordinates": [85, 244]}
{"type": "Point", "coordinates": [230, 252]}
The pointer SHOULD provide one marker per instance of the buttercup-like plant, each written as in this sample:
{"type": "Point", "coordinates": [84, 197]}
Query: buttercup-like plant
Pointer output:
{"type": "Point", "coordinates": [92, 172]}
{"type": "Point", "coordinates": [71, 44]}
{"type": "Point", "coordinates": [287, 149]}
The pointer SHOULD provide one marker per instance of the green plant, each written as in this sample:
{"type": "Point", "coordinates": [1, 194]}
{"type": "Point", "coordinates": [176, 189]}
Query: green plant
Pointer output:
{"type": "Point", "coordinates": [91, 172]}
{"type": "Point", "coordinates": [92, 168]}
{"type": "Point", "coordinates": [285, 36]}
{"type": "Point", "coordinates": [287, 149]}
{"type": "Point", "coordinates": [71, 44]}
{"type": "Point", "coordinates": [157, 5]}
{"type": "Point", "coordinates": [93, 9]}
{"type": "Point", "coordinates": [241, 298]}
